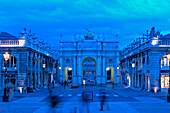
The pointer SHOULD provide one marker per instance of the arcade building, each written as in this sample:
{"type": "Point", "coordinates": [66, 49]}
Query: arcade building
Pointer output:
{"type": "Point", "coordinates": [145, 63]}
{"type": "Point", "coordinates": [26, 61]}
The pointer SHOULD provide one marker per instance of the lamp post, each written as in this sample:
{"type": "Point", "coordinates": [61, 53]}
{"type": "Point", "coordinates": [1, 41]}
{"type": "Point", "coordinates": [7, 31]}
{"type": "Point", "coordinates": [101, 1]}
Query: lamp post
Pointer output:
{"type": "Point", "coordinates": [43, 72]}
{"type": "Point", "coordinates": [133, 66]}
{"type": "Point", "coordinates": [5, 95]}
{"type": "Point", "coordinates": [168, 96]}
{"type": "Point", "coordinates": [59, 72]}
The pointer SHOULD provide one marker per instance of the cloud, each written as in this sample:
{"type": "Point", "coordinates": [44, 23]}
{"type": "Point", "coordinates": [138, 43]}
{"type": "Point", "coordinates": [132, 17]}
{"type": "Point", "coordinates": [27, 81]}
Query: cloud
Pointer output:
{"type": "Point", "coordinates": [50, 18]}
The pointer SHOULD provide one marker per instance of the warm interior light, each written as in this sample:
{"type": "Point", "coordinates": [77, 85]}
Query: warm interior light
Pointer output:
{"type": "Point", "coordinates": [133, 65]}
{"type": "Point", "coordinates": [59, 67]}
{"type": "Point", "coordinates": [6, 56]}
{"type": "Point", "coordinates": [69, 69]}
{"type": "Point", "coordinates": [44, 66]}
{"type": "Point", "coordinates": [154, 42]}
{"type": "Point", "coordinates": [168, 56]}
{"type": "Point", "coordinates": [117, 67]}
{"type": "Point", "coordinates": [107, 68]}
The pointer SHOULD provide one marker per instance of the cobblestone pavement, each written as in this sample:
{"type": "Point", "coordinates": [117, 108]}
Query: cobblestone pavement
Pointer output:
{"type": "Point", "coordinates": [120, 99]}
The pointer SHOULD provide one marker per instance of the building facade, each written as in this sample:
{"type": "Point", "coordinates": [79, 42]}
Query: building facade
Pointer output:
{"type": "Point", "coordinates": [88, 57]}
{"type": "Point", "coordinates": [145, 64]}
{"type": "Point", "coordinates": [32, 63]}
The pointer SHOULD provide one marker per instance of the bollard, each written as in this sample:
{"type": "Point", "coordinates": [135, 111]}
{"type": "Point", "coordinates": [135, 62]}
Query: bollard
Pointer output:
{"type": "Point", "coordinates": [11, 94]}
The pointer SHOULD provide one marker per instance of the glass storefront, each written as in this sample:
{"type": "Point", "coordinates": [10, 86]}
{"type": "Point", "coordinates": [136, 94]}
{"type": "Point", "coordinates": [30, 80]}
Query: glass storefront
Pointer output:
{"type": "Point", "coordinates": [164, 81]}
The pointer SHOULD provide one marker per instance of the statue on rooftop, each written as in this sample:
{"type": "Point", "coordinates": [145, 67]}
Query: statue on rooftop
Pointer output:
{"type": "Point", "coordinates": [89, 35]}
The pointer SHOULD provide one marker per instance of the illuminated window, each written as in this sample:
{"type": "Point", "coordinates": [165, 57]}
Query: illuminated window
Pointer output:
{"type": "Point", "coordinates": [164, 81]}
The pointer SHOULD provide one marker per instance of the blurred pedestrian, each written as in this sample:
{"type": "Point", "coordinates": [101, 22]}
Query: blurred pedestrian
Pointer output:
{"type": "Point", "coordinates": [53, 84]}
{"type": "Point", "coordinates": [103, 95]}
{"type": "Point", "coordinates": [50, 92]}
{"type": "Point", "coordinates": [53, 103]}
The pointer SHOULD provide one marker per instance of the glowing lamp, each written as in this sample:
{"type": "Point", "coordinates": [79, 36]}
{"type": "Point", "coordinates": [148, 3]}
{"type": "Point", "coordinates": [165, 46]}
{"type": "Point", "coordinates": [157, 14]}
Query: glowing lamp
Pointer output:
{"type": "Point", "coordinates": [133, 65]}
{"type": "Point", "coordinates": [6, 56]}
{"type": "Point", "coordinates": [107, 68]}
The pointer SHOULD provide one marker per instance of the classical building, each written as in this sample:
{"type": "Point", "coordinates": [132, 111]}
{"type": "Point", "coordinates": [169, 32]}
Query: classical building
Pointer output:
{"type": "Point", "coordinates": [31, 63]}
{"type": "Point", "coordinates": [86, 59]}
{"type": "Point", "coordinates": [145, 62]}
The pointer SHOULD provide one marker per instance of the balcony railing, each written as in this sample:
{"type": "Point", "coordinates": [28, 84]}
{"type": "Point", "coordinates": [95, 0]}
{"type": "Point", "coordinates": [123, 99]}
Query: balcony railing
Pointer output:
{"type": "Point", "coordinates": [149, 43]}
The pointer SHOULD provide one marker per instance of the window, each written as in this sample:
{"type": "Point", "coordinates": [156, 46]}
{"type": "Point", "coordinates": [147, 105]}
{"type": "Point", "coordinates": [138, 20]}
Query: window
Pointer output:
{"type": "Point", "coordinates": [164, 81]}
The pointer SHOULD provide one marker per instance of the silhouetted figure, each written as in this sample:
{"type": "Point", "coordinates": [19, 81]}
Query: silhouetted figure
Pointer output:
{"type": "Point", "coordinates": [53, 84]}
{"type": "Point", "coordinates": [103, 94]}
{"type": "Point", "coordinates": [54, 101]}
{"type": "Point", "coordinates": [50, 92]}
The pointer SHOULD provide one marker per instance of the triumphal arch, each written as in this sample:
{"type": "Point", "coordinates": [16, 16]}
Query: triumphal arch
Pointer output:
{"type": "Point", "coordinates": [89, 59]}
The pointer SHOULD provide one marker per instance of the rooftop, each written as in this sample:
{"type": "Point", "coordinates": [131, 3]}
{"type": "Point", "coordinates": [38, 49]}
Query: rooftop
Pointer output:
{"type": "Point", "coordinates": [7, 36]}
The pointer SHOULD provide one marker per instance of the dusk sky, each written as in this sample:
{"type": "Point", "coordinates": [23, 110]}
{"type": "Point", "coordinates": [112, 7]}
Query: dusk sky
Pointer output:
{"type": "Point", "coordinates": [50, 18]}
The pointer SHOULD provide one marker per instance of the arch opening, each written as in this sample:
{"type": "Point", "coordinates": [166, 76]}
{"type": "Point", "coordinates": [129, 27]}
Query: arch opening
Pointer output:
{"type": "Point", "coordinates": [89, 71]}
{"type": "Point", "coordinates": [68, 74]}
{"type": "Point", "coordinates": [110, 74]}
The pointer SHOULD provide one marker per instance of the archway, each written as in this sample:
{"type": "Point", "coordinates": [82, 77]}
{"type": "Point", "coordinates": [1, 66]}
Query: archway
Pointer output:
{"type": "Point", "coordinates": [68, 74]}
{"type": "Point", "coordinates": [110, 74]}
{"type": "Point", "coordinates": [89, 70]}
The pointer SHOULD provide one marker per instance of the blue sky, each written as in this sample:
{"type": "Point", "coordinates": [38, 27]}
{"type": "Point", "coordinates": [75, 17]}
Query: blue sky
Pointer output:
{"type": "Point", "coordinates": [50, 18]}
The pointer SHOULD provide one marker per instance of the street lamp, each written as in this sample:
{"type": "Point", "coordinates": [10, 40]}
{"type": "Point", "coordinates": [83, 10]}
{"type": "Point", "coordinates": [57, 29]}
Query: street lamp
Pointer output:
{"type": "Point", "coordinates": [107, 68]}
{"type": "Point", "coordinates": [168, 96]}
{"type": "Point", "coordinates": [44, 65]}
{"type": "Point", "coordinates": [59, 67]}
{"type": "Point", "coordinates": [133, 66]}
{"type": "Point", "coordinates": [5, 95]}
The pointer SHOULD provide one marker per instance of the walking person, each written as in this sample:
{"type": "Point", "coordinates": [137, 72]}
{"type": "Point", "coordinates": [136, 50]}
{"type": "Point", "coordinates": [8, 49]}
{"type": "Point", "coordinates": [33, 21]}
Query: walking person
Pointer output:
{"type": "Point", "coordinates": [103, 93]}
{"type": "Point", "coordinates": [54, 101]}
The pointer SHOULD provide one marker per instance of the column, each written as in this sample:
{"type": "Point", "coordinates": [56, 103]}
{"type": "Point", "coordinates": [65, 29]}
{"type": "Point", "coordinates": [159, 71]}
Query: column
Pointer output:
{"type": "Point", "coordinates": [18, 69]}
{"type": "Point", "coordinates": [98, 68]}
{"type": "Point", "coordinates": [61, 70]}
{"type": "Point", "coordinates": [38, 70]}
{"type": "Point", "coordinates": [135, 74]}
{"type": "Point", "coordinates": [31, 70]}
{"type": "Point", "coordinates": [41, 70]}
{"type": "Point", "coordinates": [154, 71]}
{"type": "Point", "coordinates": [74, 70]}
{"type": "Point", "coordinates": [79, 69]}
{"type": "Point", "coordinates": [104, 71]}
{"type": "Point", "coordinates": [145, 71]}
{"type": "Point", "coordinates": [35, 70]}
{"type": "Point", "coordinates": [116, 76]}
{"type": "Point", "coordinates": [138, 85]}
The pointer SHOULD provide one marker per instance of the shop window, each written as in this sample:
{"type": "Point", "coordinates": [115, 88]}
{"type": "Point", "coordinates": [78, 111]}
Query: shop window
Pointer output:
{"type": "Point", "coordinates": [164, 81]}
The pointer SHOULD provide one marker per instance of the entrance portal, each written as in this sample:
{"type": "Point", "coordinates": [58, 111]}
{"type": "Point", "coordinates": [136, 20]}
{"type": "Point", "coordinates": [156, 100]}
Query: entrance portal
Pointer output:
{"type": "Point", "coordinates": [110, 74]}
{"type": "Point", "coordinates": [89, 71]}
{"type": "Point", "coordinates": [68, 74]}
